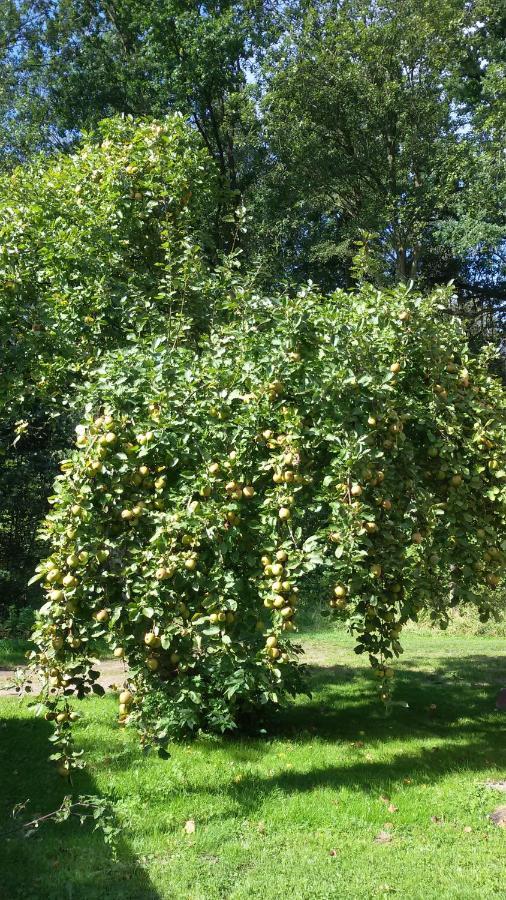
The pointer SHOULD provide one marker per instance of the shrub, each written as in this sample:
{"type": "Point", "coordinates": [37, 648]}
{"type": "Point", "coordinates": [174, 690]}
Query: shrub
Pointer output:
{"type": "Point", "coordinates": [346, 438]}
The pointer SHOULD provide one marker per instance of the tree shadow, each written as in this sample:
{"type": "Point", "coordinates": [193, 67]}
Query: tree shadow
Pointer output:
{"type": "Point", "coordinates": [61, 861]}
{"type": "Point", "coordinates": [451, 715]}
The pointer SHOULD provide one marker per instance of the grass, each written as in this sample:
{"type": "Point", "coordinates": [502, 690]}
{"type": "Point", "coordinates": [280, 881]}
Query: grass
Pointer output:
{"type": "Point", "coordinates": [13, 652]}
{"type": "Point", "coordinates": [296, 813]}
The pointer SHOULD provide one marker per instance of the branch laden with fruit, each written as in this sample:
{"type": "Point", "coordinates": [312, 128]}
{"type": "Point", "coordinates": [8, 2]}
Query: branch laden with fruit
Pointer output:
{"type": "Point", "coordinates": [349, 438]}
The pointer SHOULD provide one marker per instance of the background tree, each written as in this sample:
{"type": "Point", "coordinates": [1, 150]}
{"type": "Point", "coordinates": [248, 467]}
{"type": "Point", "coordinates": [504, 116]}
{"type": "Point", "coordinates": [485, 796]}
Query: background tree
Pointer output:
{"type": "Point", "coordinates": [83, 60]}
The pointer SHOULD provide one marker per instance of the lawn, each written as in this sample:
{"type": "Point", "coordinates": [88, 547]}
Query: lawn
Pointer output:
{"type": "Point", "coordinates": [338, 800]}
{"type": "Point", "coordinates": [13, 652]}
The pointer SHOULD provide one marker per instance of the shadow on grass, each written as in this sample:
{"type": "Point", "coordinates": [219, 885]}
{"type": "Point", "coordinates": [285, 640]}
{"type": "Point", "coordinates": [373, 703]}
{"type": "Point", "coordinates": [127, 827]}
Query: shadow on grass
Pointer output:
{"type": "Point", "coordinates": [449, 726]}
{"type": "Point", "coordinates": [63, 861]}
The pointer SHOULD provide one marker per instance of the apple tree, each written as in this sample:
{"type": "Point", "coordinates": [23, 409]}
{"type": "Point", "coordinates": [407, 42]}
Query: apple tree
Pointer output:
{"type": "Point", "coordinates": [350, 438]}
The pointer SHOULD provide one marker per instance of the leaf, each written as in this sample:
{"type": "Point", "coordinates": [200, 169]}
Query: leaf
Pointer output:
{"type": "Point", "coordinates": [189, 827]}
{"type": "Point", "coordinates": [36, 577]}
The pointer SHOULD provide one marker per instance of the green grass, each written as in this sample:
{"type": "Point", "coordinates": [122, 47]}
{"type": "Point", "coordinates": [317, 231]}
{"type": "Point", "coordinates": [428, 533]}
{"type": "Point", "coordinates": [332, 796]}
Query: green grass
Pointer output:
{"type": "Point", "coordinates": [13, 652]}
{"type": "Point", "coordinates": [292, 814]}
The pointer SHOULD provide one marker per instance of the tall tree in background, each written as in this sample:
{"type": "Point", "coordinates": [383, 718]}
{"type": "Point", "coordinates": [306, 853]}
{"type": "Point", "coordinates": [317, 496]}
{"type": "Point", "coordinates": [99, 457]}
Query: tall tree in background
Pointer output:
{"type": "Point", "coordinates": [372, 117]}
{"type": "Point", "coordinates": [83, 60]}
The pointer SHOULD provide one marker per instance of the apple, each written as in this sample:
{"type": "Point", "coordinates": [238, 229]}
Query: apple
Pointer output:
{"type": "Point", "coordinates": [340, 591]}
{"type": "Point", "coordinates": [152, 663]}
{"type": "Point", "coordinates": [119, 652]}
{"type": "Point", "coordinates": [151, 639]}
{"type": "Point", "coordinates": [126, 697]}
{"type": "Point", "coordinates": [271, 641]}
{"type": "Point", "coordinates": [53, 575]}
{"type": "Point", "coordinates": [284, 514]}
{"type": "Point", "coordinates": [102, 615]}
{"type": "Point", "coordinates": [69, 581]}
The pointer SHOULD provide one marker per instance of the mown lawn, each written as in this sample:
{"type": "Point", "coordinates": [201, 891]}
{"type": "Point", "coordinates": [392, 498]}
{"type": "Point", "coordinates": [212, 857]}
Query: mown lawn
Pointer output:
{"type": "Point", "coordinates": [338, 801]}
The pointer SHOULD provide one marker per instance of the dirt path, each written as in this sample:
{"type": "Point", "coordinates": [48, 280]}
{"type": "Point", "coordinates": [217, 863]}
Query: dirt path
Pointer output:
{"type": "Point", "coordinates": [112, 672]}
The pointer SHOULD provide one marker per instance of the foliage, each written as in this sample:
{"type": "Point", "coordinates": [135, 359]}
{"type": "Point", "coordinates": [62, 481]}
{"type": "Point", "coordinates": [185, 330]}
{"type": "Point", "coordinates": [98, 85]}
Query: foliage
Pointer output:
{"type": "Point", "coordinates": [84, 807]}
{"type": "Point", "coordinates": [17, 622]}
{"type": "Point", "coordinates": [327, 122]}
{"type": "Point", "coordinates": [365, 132]}
{"type": "Point", "coordinates": [100, 58]}
{"type": "Point", "coordinates": [94, 245]}
{"type": "Point", "coordinates": [349, 436]}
